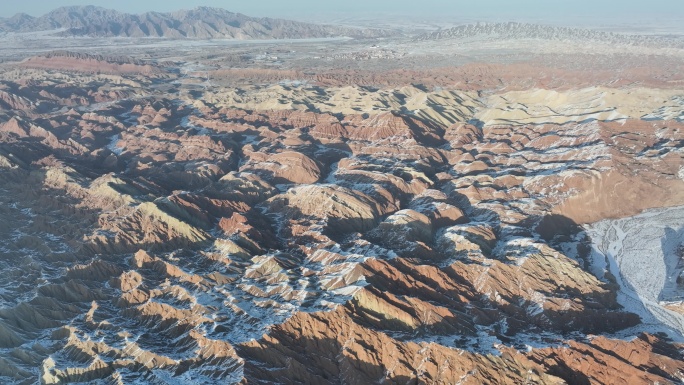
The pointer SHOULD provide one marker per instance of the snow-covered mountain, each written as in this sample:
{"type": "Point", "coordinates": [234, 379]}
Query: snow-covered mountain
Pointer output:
{"type": "Point", "coordinates": [198, 23]}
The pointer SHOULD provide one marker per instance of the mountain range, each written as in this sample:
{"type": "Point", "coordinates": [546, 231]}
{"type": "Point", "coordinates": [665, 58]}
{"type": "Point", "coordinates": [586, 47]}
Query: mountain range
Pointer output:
{"type": "Point", "coordinates": [198, 23]}
{"type": "Point", "coordinates": [514, 30]}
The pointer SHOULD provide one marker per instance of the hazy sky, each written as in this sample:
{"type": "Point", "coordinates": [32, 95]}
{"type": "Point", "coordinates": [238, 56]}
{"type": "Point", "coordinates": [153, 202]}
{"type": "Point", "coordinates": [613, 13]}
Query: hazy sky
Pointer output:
{"type": "Point", "coordinates": [302, 9]}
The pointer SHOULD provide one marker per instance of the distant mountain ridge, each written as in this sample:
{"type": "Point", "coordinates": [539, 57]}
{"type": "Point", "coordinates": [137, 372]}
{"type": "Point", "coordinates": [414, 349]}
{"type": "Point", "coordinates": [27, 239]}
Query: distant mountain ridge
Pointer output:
{"type": "Point", "coordinates": [198, 23]}
{"type": "Point", "coordinates": [513, 30]}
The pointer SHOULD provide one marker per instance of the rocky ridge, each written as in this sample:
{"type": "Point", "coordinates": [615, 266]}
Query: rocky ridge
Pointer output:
{"type": "Point", "coordinates": [198, 23]}
{"type": "Point", "coordinates": [85, 63]}
{"type": "Point", "coordinates": [325, 234]}
{"type": "Point", "coordinates": [513, 31]}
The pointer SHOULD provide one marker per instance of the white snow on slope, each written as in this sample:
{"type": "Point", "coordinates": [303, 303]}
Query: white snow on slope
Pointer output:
{"type": "Point", "coordinates": [113, 145]}
{"type": "Point", "coordinates": [639, 252]}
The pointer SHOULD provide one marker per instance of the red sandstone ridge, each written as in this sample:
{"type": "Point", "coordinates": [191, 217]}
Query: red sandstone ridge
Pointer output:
{"type": "Point", "coordinates": [604, 361]}
{"type": "Point", "coordinates": [84, 63]}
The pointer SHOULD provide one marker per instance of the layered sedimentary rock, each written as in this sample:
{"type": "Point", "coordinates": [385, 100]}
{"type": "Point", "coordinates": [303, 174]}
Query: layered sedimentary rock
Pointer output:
{"type": "Point", "coordinates": [71, 61]}
{"type": "Point", "coordinates": [327, 233]}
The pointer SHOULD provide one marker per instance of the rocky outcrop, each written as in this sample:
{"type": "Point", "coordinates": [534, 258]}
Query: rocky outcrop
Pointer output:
{"type": "Point", "coordinates": [342, 210]}
{"type": "Point", "coordinates": [79, 62]}
{"type": "Point", "coordinates": [605, 361]}
{"type": "Point", "coordinates": [283, 168]}
{"type": "Point", "coordinates": [330, 349]}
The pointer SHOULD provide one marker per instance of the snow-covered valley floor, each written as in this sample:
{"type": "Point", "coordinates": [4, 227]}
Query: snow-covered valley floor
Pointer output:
{"type": "Point", "coordinates": [641, 253]}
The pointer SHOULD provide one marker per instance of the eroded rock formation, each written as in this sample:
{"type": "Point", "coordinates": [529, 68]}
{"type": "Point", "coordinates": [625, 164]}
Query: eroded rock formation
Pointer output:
{"type": "Point", "coordinates": [326, 232]}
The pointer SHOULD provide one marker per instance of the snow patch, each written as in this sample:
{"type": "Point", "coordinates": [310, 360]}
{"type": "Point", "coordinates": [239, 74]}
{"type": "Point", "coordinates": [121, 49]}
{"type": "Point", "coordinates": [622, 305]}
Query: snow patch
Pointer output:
{"type": "Point", "coordinates": [113, 145]}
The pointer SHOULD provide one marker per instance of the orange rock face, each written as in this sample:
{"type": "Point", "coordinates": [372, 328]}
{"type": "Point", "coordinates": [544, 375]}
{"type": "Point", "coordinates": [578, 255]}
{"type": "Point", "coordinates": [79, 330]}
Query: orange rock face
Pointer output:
{"type": "Point", "coordinates": [646, 359]}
